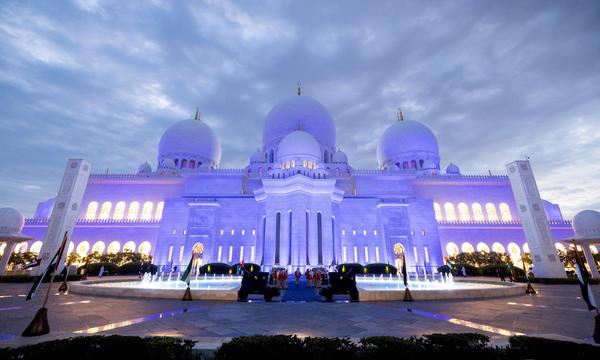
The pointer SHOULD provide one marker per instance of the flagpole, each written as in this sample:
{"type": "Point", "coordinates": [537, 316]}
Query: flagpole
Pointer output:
{"type": "Point", "coordinates": [39, 325]}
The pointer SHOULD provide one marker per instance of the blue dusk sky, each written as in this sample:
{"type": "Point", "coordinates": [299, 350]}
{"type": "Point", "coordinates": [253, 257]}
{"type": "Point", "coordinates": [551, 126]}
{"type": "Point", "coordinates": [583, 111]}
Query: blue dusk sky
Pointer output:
{"type": "Point", "coordinates": [495, 80]}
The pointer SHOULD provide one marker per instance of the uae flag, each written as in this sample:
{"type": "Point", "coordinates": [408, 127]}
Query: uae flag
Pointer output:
{"type": "Point", "coordinates": [404, 274]}
{"type": "Point", "coordinates": [584, 283]}
{"type": "Point", "coordinates": [188, 271]}
{"type": "Point", "coordinates": [50, 269]}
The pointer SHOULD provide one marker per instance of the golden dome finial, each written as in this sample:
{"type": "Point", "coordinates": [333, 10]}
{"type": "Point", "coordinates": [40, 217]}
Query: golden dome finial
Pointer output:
{"type": "Point", "coordinates": [400, 115]}
{"type": "Point", "coordinates": [197, 116]}
{"type": "Point", "coordinates": [299, 88]}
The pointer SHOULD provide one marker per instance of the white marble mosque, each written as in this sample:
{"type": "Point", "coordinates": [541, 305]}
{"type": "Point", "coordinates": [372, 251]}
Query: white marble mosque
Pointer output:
{"type": "Point", "coordinates": [299, 201]}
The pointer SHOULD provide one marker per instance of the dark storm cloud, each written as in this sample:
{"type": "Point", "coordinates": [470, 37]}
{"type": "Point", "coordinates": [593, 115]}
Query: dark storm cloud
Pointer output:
{"type": "Point", "coordinates": [496, 81]}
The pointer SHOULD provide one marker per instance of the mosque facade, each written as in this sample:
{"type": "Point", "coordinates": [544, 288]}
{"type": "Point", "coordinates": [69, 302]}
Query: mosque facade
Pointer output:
{"type": "Point", "coordinates": [299, 202]}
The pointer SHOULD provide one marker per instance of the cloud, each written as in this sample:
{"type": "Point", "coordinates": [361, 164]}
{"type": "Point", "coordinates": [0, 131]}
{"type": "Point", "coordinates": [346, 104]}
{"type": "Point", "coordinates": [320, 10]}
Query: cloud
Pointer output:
{"type": "Point", "coordinates": [494, 81]}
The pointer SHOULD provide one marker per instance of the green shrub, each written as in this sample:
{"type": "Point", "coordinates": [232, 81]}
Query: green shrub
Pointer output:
{"type": "Point", "coordinates": [29, 278]}
{"type": "Point", "coordinates": [94, 268]}
{"type": "Point", "coordinates": [326, 348]}
{"type": "Point", "coordinates": [104, 347]}
{"type": "Point", "coordinates": [390, 347]}
{"type": "Point", "coordinates": [286, 347]}
{"type": "Point", "coordinates": [134, 268]}
{"type": "Point", "coordinates": [525, 347]}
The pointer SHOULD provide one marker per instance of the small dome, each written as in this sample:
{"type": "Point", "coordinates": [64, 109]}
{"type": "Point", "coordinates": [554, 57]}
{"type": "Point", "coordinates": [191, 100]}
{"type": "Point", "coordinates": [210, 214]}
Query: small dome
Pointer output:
{"type": "Point", "coordinates": [406, 139]}
{"type": "Point", "coordinates": [429, 165]}
{"type": "Point", "coordinates": [452, 169]}
{"type": "Point", "coordinates": [298, 144]}
{"type": "Point", "coordinates": [586, 224]}
{"type": "Point", "coordinates": [11, 221]}
{"type": "Point", "coordinates": [340, 157]}
{"type": "Point", "coordinates": [168, 164]}
{"type": "Point", "coordinates": [299, 112]}
{"type": "Point", "coordinates": [144, 168]}
{"type": "Point", "coordinates": [190, 139]}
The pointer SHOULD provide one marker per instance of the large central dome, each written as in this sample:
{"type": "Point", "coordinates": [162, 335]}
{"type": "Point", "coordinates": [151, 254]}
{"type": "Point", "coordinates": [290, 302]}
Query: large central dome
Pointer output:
{"type": "Point", "coordinates": [299, 113]}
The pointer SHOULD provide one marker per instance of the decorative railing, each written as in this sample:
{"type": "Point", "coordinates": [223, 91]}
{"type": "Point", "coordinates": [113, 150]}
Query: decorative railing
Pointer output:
{"type": "Point", "coordinates": [44, 220]}
{"type": "Point", "coordinates": [439, 177]}
{"type": "Point", "coordinates": [496, 222]}
{"type": "Point", "coordinates": [229, 170]}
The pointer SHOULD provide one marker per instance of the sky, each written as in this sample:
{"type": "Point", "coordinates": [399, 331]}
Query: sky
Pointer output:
{"type": "Point", "coordinates": [495, 80]}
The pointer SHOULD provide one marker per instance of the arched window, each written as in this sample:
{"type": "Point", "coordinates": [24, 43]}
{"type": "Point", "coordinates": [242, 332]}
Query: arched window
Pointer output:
{"type": "Point", "coordinates": [134, 207]}
{"type": "Point", "coordinates": [366, 254]}
{"type": "Point", "coordinates": [325, 157]}
{"type": "Point", "coordinates": [477, 212]}
{"type": "Point", "coordinates": [560, 246]}
{"type": "Point", "coordinates": [71, 247]}
{"type": "Point", "coordinates": [119, 211]}
{"type": "Point", "coordinates": [98, 247]}
{"type": "Point", "coordinates": [159, 210]}
{"type": "Point", "coordinates": [271, 156]}
{"type": "Point", "coordinates": [463, 211]}
{"type": "Point", "coordinates": [113, 247]}
{"type": "Point", "coordinates": [491, 212]}
{"type": "Point", "coordinates": [90, 213]}
{"type": "Point", "coordinates": [505, 212]}
{"type": "Point", "coordinates": [413, 164]}
{"type": "Point", "coordinates": [145, 248]}
{"type": "Point", "coordinates": [497, 247]}
{"type": "Point", "coordinates": [83, 248]}
{"type": "Point", "coordinates": [355, 254]}
{"type": "Point", "coordinates": [526, 248]}
{"type": "Point", "coordinates": [129, 246]}
{"type": "Point", "coordinates": [466, 247]}
{"type": "Point", "coordinates": [450, 213]}
{"type": "Point", "coordinates": [438, 211]}
{"type": "Point", "coordinates": [183, 163]}
{"type": "Point", "coordinates": [482, 247]}
{"type": "Point", "coordinates": [36, 247]}
{"type": "Point", "coordinates": [451, 249]}
{"type": "Point", "coordinates": [21, 248]}
{"type": "Point", "coordinates": [105, 210]}
{"type": "Point", "coordinates": [176, 162]}
{"type": "Point", "coordinates": [514, 249]}
{"type": "Point", "coordinates": [192, 164]}
{"type": "Point", "coordinates": [147, 210]}
{"type": "Point", "coordinates": [2, 248]}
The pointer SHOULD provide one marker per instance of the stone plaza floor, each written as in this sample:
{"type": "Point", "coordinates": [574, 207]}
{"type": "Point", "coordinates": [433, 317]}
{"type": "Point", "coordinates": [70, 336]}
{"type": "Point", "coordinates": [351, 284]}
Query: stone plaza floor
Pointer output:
{"type": "Point", "coordinates": [556, 312]}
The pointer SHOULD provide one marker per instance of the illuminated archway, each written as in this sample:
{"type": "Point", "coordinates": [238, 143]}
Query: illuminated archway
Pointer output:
{"type": "Point", "coordinates": [129, 246]}
{"type": "Point", "coordinates": [145, 248]}
{"type": "Point", "coordinates": [497, 247]}
{"type": "Point", "coordinates": [482, 247]}
{"type": "Point", "coordinates": [114, 247]}
{"type": "Point", "coordinates": [452, 249]}
{"type": "Point", "coordinates": [36, 247]}
{"type": "Point", "coordinates": [466, 247]}
{"type": "Point", "coordinates": [98, 247]}
{"type": "Point", "coordinates": [83, 248]}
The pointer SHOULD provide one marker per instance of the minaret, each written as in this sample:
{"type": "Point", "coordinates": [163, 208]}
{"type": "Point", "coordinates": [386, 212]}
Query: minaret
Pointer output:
{"type": "Point", "coordinates": [299, 88]}
{"type": "Point", "coordinates": [535, 224]}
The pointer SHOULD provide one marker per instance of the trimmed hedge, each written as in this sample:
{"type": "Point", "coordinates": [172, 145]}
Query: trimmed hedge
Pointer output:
{"type": "Point", "coordinates": [29, 278]}
{"type": "Point", "coordinates": [464, 346]}
{"type": "Point", "coordinates": [105, 347]}
{"type": "Point", "coordinates": [94, 268]}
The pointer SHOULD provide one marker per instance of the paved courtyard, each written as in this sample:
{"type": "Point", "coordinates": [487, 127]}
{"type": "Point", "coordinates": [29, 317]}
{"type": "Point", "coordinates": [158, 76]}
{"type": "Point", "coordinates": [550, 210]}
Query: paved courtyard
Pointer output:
{"type": "Point", "coordinates": [556, 312]}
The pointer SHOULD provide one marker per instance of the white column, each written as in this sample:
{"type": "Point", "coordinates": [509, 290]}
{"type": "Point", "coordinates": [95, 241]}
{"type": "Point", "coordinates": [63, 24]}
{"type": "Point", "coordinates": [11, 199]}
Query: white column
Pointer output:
{"type": "Point", "coordinates": [8, 250]}
{"type": "Point", "coordinates": [589, 258]}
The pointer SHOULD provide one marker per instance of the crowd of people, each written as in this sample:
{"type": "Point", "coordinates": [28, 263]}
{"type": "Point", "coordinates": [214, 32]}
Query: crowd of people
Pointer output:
{"type": "Point", "coordinates": [279, 277]}
{"type": "Point", "coordinates": [314, 277]}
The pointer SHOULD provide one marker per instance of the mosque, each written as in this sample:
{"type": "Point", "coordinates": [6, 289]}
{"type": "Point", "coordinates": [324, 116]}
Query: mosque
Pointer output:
{"type": "Point", "coordinates": [299, 201]}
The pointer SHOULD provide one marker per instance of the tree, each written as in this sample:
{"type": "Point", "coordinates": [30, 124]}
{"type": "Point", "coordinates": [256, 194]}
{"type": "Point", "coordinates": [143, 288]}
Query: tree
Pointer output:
{"type": "Point", "coordinates": [22, 258]}
{"type": "Point", "coordinates": [481, 259]}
